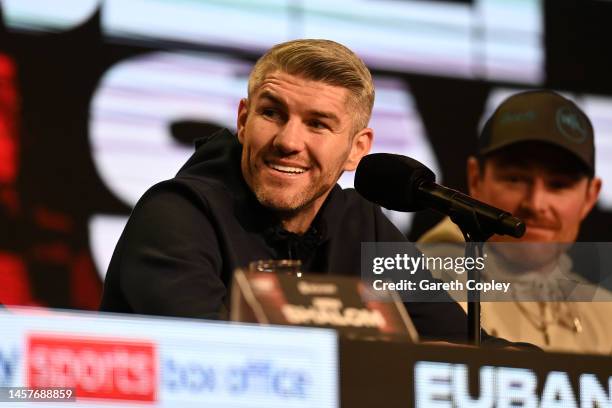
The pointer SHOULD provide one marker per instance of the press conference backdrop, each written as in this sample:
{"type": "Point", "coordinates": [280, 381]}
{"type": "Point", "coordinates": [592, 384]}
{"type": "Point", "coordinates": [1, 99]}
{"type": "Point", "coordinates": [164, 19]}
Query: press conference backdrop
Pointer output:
{"type": "Point", "coordinates": [100, 99]}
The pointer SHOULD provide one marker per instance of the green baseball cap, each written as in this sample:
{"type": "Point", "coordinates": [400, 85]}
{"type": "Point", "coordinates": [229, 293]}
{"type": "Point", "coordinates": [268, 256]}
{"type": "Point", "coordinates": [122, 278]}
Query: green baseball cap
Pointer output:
{"type": "Point", "coordinates": [542, 116]}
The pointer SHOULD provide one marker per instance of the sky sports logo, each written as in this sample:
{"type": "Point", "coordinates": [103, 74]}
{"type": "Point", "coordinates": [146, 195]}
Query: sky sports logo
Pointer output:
{"type": "Point", "coordinates": [98, 368]}
{"type": "Point", "coordinates": [121, 361]}
{"type": "Point", "coordinates": [124, 370]}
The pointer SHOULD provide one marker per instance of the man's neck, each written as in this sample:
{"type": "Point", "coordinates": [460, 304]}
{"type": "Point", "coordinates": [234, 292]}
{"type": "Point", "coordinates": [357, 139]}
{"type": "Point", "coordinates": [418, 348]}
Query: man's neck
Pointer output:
{"type": "Point", "coordinates": [297, 223]}
{"type": "Point", "coordinates": [520, 268]}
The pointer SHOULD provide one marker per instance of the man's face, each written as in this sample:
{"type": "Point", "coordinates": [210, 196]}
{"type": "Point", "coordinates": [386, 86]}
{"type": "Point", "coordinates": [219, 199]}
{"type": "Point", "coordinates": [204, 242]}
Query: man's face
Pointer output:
{"type": "Point", "coordinates": [532, 182]}
{"type": "Point", "coordinates": [297, 138]}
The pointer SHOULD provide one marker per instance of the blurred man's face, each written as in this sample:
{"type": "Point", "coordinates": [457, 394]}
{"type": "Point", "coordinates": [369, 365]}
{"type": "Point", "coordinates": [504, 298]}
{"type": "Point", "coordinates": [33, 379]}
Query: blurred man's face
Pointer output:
{"type": "Point", "coordinates": [541, 185]}
{"type": "Point", "coordinates": [297, 138]}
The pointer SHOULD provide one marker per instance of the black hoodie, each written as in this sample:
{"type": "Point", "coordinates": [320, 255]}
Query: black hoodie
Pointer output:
{"type": "Point", "coordinates": [187, 235]}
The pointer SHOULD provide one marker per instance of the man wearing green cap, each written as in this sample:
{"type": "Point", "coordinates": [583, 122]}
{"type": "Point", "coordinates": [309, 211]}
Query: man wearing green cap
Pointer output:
{"type": "Point", "coordinates": [536, 160]}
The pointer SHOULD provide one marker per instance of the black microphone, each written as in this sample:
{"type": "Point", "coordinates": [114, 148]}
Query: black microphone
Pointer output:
{"type": "Point", "coordinates": [403, 184]}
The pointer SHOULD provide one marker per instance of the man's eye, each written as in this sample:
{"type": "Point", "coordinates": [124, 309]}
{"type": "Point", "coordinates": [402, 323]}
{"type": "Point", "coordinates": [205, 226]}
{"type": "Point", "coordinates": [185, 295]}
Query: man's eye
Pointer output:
{"type": "Point", "coordinates": [514, 178]}
{"type": "Point", "coordinates": [269, 112]}
{"type": "Point", "coordinates": [560, 184]}
{"type": "Point", "coordinates": [317, 124]}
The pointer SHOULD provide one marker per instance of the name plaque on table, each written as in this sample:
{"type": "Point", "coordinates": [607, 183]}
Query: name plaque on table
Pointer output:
{"type": "Point", "coordinates": [339, 302]}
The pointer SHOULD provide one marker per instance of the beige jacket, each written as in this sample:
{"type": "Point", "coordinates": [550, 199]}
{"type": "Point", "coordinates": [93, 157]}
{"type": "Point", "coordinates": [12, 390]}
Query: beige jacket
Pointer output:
{"type": "Point", "coordinates": [578, 327]}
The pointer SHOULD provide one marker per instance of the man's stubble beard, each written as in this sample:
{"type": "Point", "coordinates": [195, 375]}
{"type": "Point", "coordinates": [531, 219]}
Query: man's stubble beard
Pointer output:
{"type": "Point", "coordinates": [303, 199]}
{"type": "Point", "coordinates": [267, 199]}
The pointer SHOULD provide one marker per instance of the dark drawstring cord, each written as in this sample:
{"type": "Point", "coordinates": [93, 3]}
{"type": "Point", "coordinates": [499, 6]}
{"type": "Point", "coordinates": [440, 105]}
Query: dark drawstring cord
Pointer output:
{"type": "Point", "coordinates": [297, 246]}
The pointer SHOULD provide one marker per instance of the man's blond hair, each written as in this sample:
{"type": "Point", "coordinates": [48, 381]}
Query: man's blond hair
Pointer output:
{"type": "Point", "coordinates": [325, 61]}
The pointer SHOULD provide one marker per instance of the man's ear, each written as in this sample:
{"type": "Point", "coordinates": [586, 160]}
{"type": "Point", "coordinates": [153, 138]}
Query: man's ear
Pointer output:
{"type": "Point", "coordinates": [241, 118]}
{"type": "Point", "coordinates": [592, 194]}
{"type": "Point", "coordinates": [360, 146]}
{"type": "Point", "coordinates": [473, 176]}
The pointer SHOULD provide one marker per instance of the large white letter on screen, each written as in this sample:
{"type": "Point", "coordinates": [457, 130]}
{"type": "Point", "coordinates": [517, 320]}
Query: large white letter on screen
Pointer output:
{"type": "Point", "coordinates": [130, 117]}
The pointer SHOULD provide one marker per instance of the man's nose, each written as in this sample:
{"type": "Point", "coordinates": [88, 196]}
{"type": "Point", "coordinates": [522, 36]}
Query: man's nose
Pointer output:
{"type": "Point", "coordinates": [289, 138]}
{"type": "Point", "coordinates": [537, 196]}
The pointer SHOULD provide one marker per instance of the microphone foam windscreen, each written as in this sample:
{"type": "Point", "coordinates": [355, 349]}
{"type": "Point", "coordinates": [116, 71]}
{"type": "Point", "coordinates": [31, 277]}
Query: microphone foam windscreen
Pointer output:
{"type": "Point", "coordinates": [391, 180]}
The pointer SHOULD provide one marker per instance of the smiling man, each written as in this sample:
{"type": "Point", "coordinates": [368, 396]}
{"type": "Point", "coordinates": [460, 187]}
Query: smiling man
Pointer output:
{"type": "Point", "coordinates": [269, 192]}
{"type": "Point", "coordinates": [298, 136]}
{"type": "Point", "coordinates": [536, 160]}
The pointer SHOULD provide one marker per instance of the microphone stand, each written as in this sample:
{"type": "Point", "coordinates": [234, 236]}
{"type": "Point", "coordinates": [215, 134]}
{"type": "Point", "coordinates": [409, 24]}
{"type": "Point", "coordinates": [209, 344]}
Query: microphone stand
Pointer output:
{"type": "Point", "coordinates": [475, 236]}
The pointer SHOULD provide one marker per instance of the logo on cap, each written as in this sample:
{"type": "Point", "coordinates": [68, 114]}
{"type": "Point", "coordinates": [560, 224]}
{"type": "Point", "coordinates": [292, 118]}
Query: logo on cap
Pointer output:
{"type": "Point", "coordinates": [571, 125]}
{"type": "Point", "coordinates": [512, 117]}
